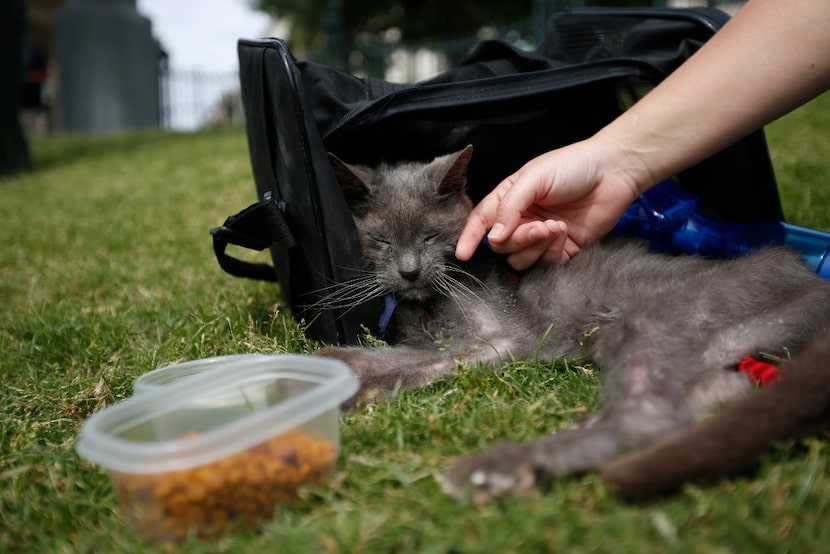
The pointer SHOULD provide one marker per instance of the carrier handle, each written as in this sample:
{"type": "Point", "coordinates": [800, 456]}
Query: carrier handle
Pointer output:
{"type": "Point", "coordinates": [257, 227]}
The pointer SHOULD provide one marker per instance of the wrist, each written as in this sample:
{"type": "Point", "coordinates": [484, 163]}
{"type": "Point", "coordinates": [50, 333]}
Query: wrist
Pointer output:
{"type": "Point", "coordinates": [622, 162]}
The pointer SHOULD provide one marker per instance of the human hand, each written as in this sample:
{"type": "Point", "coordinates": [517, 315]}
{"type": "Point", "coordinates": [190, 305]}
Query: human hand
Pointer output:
{"type": "Point", "coordinates": [551, 208]}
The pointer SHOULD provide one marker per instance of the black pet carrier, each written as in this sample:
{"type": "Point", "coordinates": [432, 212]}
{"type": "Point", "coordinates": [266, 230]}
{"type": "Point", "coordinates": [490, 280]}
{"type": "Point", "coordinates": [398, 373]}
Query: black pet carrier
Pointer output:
{"type": "Point", "coordinates": [510, 104]}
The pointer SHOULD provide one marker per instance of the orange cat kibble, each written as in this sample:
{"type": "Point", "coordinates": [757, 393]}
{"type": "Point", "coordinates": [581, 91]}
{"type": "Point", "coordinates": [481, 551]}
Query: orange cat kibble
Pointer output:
{"type": "Point", "coordinates": [238, 490]}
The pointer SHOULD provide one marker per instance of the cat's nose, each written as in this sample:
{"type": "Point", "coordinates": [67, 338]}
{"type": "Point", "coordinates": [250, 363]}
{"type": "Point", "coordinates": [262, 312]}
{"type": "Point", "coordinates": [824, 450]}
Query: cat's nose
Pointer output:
{"type": "Point", "coordinates": [408, 267]}
{"type": "Point", "coordinates": [409, 274]}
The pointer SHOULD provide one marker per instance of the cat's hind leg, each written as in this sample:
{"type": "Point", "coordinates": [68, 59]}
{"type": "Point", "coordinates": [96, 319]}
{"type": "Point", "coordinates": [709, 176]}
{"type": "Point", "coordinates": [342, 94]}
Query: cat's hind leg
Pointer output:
{"type": "Point", "coordinates": [733, 440]}
{"type": "Point", "coordinates": [648, 394]}
{"type": "Point", "coordinates": [513, 469]}
{"type": "Point", "coordinates": [630, 419]}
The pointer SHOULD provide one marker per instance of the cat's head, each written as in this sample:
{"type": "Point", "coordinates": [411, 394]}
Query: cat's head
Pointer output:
{"type": "Point", "coordinates": [408, 217]}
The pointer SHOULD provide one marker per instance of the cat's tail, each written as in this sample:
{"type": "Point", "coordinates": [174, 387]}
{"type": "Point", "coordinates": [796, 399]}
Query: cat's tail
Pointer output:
{"type": "Point", "coordinates": [733, 440]}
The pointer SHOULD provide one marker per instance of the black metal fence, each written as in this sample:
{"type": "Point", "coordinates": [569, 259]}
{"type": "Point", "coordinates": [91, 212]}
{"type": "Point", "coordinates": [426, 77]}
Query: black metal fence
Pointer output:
{"type": "Point", "coordinates": [192, 100]}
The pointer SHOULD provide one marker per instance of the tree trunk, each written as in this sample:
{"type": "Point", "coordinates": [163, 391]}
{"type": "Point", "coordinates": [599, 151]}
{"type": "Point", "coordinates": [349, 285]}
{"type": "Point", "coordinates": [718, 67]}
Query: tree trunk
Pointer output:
{"type": "Point", "coordinates": [14, 152]}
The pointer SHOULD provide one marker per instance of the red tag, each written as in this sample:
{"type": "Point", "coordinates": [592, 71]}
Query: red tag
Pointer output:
{"type": "Point", "coordinates": [761, 373]}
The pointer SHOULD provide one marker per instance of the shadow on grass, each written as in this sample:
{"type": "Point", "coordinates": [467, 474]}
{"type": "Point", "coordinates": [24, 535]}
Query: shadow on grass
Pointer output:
{"type": "Point", "coordinates": [270, 320]}
{"type": "Point", "coordinates": [59, 150]}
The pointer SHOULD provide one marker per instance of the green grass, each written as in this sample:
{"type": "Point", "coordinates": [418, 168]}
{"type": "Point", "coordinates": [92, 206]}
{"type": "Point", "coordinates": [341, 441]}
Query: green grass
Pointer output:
{"type": "Point", "coordinates": [106, 271]}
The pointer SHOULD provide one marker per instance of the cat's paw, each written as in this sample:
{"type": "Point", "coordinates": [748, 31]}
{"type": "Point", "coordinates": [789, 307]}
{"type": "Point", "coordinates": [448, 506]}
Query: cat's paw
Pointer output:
{"type": "Point", "coordinates": [372, 390]}
{"type": "Point", "coordinates": [507, 469]}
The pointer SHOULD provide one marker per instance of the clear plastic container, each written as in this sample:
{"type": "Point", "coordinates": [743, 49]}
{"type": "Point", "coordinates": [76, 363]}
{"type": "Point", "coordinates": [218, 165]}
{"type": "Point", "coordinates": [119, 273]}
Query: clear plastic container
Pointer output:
{"type": "Point", "coordinates": [220, 450]}
{"type": "Point", "coordinates": [168, 375]}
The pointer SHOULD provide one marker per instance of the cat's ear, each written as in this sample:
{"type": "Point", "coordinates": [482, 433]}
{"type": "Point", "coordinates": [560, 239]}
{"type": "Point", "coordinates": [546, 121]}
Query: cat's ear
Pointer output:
{"type": "Point", "coordinates": [455, 168]}
{"type": "Point", "coordinates": [353, 182]}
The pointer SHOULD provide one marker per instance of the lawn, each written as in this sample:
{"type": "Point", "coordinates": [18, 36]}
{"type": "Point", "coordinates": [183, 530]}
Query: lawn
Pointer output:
{"type": "Point", "coordinates": [106, 272]}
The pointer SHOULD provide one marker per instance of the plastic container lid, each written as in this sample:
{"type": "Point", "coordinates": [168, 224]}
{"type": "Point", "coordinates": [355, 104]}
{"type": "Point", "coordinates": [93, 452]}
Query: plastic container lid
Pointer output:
{"type": "Point", "coordinates": [229, 410]}
{"type": "Point", "coordinates": [168, 375]}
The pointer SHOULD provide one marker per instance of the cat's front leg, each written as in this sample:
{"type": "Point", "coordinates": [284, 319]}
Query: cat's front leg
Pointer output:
{"type": "Point", "coordinates": [377, 379]}
{"type": "Point", "coordinates": [384, 370]}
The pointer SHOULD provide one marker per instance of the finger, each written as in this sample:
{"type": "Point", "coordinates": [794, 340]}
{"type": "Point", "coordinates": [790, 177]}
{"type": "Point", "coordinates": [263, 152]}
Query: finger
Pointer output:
{"type": "Point", "coordinates": [556, 252]}
{"type": "Point", "coordinates": [521, 191]}
{"type": "Point", "coordinates": [474, 230]}
{"type": "Point", "coordinates": [479, 221]}
{"type": "Point", "coordinates": [527, 244]}
{"type": "Point", "coordinates": [471, 235]}
{"type": "Point", "coordinates": [527, 235]}
{"type": "Point", "coordinates": [504, 219]}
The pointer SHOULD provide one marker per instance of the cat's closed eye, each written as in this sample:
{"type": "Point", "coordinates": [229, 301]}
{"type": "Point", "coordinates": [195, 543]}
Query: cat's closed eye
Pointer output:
{"type": "Point", "coordinates": [431, 237]}
{"type": "Point", "coordinates": [380, 240]}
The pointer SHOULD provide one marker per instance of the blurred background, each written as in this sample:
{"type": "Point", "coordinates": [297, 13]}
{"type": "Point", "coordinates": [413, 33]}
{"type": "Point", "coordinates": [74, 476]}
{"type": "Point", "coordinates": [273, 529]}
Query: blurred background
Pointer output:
{"type": "Point", "coordinates": [98, 66]}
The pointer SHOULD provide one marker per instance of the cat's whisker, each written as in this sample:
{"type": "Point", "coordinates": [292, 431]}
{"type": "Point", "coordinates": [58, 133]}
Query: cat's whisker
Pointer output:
{"type": "Point", "coordinates": [346, 308]}
{"type": "Point", "coordinates": [460, 286]}
{"type": "Point", "coordinates": [467, 290]}
{"type": "Point", "coordinates": [445, 288]}
{"type": "Point", "coordinates": [342, 291]}
{"type": "Point", "coordinates": [452, 288]}
{"type": "Point", "coordinates": [336, 285]}
{"type": "Point", "coordinates": [459, 292]}
{"type": "Point", "coordinates": [354, 299]}
{"type": "Point", "coordinates": [453, 268]}
{"type": "Point", "coordinates": [350, 294]}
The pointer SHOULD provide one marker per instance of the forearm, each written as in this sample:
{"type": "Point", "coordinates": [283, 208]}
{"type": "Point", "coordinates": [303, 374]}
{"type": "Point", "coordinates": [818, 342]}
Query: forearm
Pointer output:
{"type": "Point", "coordinates": [771, 57]}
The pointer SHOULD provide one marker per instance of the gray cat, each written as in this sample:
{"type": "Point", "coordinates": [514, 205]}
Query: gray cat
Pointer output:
{"type": "Point", "coordinates": [667, 332]}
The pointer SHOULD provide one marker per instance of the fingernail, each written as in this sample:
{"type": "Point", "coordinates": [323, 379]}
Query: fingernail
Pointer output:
{"type": "Point", "coordinates": [533, 234]}
{"type": "Point", "coordinates": [554, 226]}
{"type": "Point", "coordinates": [496, 232]}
